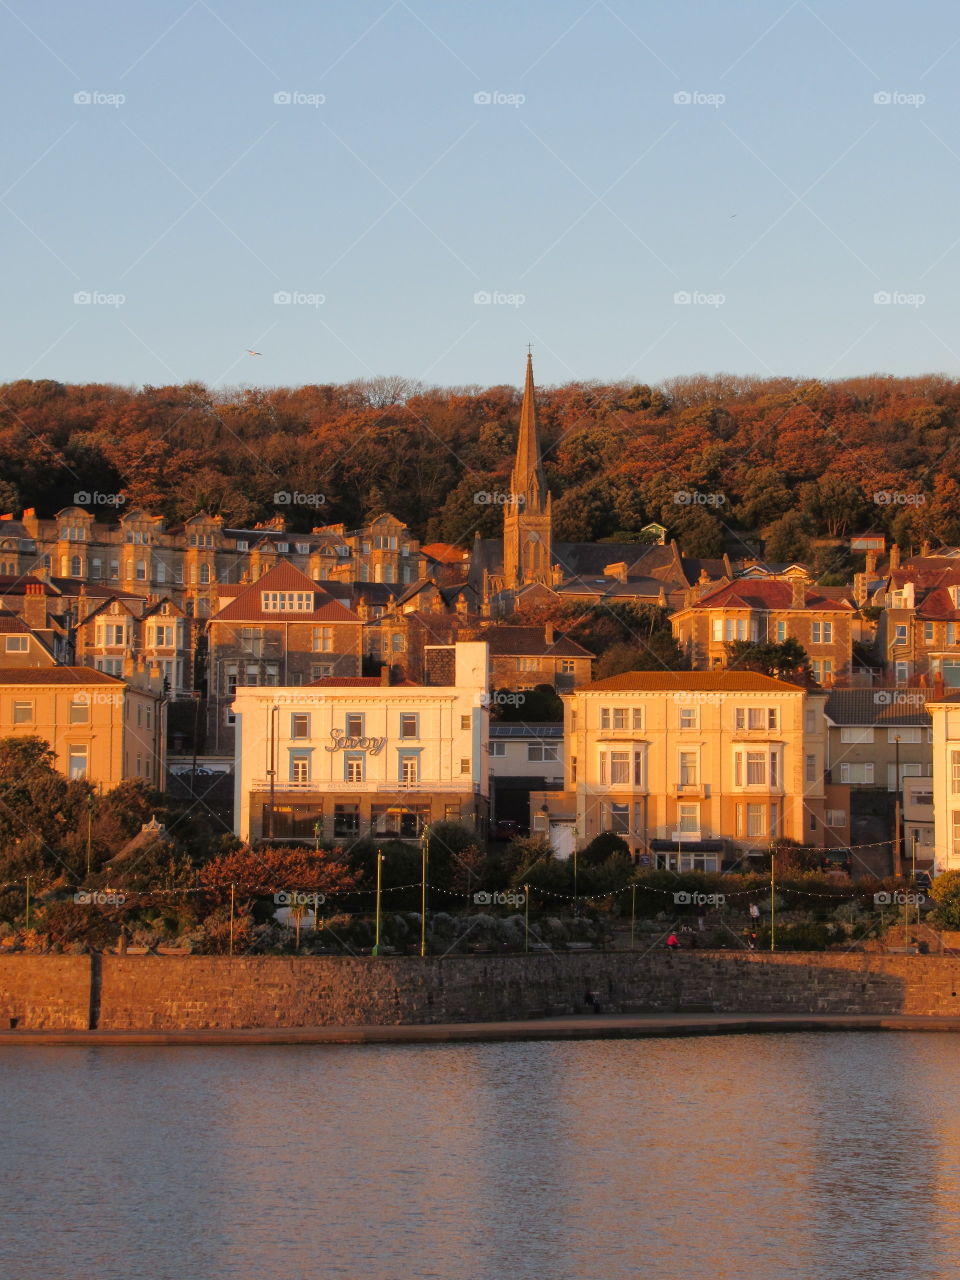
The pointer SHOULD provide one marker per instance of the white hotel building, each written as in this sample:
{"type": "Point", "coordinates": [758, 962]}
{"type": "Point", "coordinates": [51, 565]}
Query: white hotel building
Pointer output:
{"type": "Point", "coordinates": [347, 757]}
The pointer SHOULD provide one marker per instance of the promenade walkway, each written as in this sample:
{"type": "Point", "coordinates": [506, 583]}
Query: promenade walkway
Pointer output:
{"type": "Point", "coordinates": [578, 1027]}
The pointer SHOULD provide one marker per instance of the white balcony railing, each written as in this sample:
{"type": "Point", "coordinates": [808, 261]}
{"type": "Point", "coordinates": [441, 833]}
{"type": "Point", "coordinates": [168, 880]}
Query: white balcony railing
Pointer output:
{"type": "Point", "coordinates": [386, 786]}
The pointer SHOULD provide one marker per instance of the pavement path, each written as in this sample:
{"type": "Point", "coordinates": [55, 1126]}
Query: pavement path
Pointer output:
{"type": "Point", "coordinates": [584, 1027]}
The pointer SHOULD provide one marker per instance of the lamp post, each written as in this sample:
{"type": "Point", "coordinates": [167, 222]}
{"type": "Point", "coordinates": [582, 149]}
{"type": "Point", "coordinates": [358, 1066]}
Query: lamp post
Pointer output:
{"type": "Point", "coordinates": [424, 863]}
{"type": "Point", "coordinates": [272, 771]}
{"type": "Point", "coordinates": [89, 830]}
{"type": "Point", "coordinates": [773, 917]}
{"type": "Point", "coordinates": [526, 917]}
{"type": "Point", "coordinates": [897, 854]}
{"type": "Point", "coordinates": [232, 889]}
{"type": "Point", "coordinates": [376, 928]}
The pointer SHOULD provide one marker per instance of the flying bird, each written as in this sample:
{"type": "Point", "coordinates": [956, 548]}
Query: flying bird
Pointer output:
{"type": "Point", "coordinates": [253, 353]}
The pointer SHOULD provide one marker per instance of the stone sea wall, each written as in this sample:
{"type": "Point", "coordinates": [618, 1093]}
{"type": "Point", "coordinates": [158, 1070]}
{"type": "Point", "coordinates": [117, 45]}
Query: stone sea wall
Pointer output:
{"type": "Point", "coordinates": [193, 992]}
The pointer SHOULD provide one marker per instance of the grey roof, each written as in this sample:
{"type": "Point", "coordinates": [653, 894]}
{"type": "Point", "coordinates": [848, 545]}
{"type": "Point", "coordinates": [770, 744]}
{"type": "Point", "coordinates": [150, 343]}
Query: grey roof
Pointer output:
{"type": "Point", "coordinates": [880, 707]}
{"type": "Point", "coordinates": [525, 729]}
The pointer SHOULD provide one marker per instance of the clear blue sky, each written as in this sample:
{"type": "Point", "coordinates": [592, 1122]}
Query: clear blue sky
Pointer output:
{"type": "Point", "coordinates": [399, 198]}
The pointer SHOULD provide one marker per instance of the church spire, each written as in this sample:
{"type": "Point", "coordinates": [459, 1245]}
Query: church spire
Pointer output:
{"type": "Point", "coordinates": [528, 478]}
{"type": "Point", "coordinates": [527, 536]}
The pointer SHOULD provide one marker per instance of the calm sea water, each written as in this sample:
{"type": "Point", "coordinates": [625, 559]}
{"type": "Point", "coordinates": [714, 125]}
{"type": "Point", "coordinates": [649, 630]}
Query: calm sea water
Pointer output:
{"type": "Point", "coordinates": [811, 1156]}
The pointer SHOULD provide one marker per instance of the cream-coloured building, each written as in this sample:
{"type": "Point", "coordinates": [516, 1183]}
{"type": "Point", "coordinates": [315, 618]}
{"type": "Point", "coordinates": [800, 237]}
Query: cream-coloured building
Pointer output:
{"type": "Point", "coordinates": [346, 757]}
{"type": "Point", "coordinates": [696, 768]}
{"type": "Point", "coordinates": [99, 727]}
{"type": "Point", "coordinates": [944, 711]}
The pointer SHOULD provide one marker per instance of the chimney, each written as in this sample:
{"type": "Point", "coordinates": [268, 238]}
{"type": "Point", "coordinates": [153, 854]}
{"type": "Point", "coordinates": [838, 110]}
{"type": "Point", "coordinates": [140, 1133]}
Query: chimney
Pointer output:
{"type": "Point", "coordinates": [937, 687]}
{"type": "Point", "coordinates": [925, 548]}
{"type": "Point", "coordinates": [894, 557]}
{"type": "Point", "coordinates": [384, 676]}
{"type": "Point", "coordinates": [548, 632]}
{"type": "Point", "coordinates": [35, 606]}
{"type": "Point", "coordinates": [797, 594]}
{"type": "Point", "coordinates": [871, 565]}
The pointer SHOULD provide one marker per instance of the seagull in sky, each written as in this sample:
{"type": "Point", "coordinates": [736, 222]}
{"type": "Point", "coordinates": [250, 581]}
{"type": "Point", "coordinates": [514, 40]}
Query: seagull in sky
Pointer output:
{"type": "Point", "coordinates": [253, 353]}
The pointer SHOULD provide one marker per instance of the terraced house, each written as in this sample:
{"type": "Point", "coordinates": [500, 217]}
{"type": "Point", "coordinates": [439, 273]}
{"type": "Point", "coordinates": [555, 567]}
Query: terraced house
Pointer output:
{"type": "Point", "coordinates": [821, 619]}
{"type": "Point", "coordinates": [282, 630]}
{"type": "Point", "coordinates": [695, 769]}
{"type": "Point", "coordinates": [918, 631]}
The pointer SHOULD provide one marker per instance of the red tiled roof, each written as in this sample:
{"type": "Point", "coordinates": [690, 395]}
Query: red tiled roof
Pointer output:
{"type": "Point", "coordinates": [758, 594]}
{"type": "Point", "coordinates": [283, 577]}
{"type": "Point", "coordinates": [693, 681]}
{"type": "Point", "coordinates": [937, 606]}
{"type": "Point", "coordinates": [11, 622]}
{"type": "Point", "coordinates": [444, 552]}
{"type": "Point", "coordinates": [55, 675]}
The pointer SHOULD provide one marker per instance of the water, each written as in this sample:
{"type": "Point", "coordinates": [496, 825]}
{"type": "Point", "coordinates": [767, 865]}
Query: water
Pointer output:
{"type": "Point", "coordinates": [770, 1157]}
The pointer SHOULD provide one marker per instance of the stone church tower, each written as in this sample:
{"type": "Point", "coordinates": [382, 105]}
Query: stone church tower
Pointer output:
{"type": "Point", "coordinates": [527, 542]}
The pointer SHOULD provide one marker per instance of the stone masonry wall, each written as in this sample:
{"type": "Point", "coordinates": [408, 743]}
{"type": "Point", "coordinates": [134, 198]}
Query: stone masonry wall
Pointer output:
{"type": "Point", "coordinates": [45, 993]}
{"type": "Point", "coordinates": [191, 992]}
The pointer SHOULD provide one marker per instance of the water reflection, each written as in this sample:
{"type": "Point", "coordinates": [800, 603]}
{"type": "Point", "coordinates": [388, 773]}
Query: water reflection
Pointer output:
{"type": "Point", "coordinates": [812, 1156]}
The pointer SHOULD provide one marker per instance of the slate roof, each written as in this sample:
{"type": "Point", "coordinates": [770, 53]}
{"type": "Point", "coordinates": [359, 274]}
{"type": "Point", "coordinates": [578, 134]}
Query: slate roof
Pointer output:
{"type": "Point", "coordinates": [747, 593]}
{"type": "Point", "coordinates": [884, 707]}
{"type": "Point", "coordinates": [524, 729]}
{"type": "Point", "coordinates": [508, 641]}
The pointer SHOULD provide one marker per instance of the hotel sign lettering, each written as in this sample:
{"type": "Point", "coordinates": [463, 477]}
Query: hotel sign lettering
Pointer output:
{"type": "Point", "coordinates": [342, 743]}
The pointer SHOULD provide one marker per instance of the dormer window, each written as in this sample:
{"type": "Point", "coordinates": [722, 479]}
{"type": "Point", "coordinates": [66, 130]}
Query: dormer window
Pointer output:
{"type": "Point", "coordinates": [955, 597]}
{"type": "Point", "coordinates": [242, 545]}
{"type": "Point", "coordinates": [287, 601]}
{"type": "Point", "coordinates": [283, 547]}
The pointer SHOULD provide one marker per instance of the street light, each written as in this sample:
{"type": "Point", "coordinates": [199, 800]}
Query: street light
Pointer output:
{"type": "Point", "coordinates": [89, 829]}
{"type": "Point", "coordinates": [272, 771]}
{"type": "Point", "coordinates": [773, 920]}
{"type": "Point", "coordinates": [897, 858]}
{"type": "Point", "coordinates": [376, 930]}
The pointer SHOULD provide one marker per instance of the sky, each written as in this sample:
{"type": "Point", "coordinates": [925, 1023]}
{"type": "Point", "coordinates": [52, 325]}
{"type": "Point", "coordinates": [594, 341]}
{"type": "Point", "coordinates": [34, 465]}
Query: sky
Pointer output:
{"type": "Point", "coordinates": [640, 191]}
